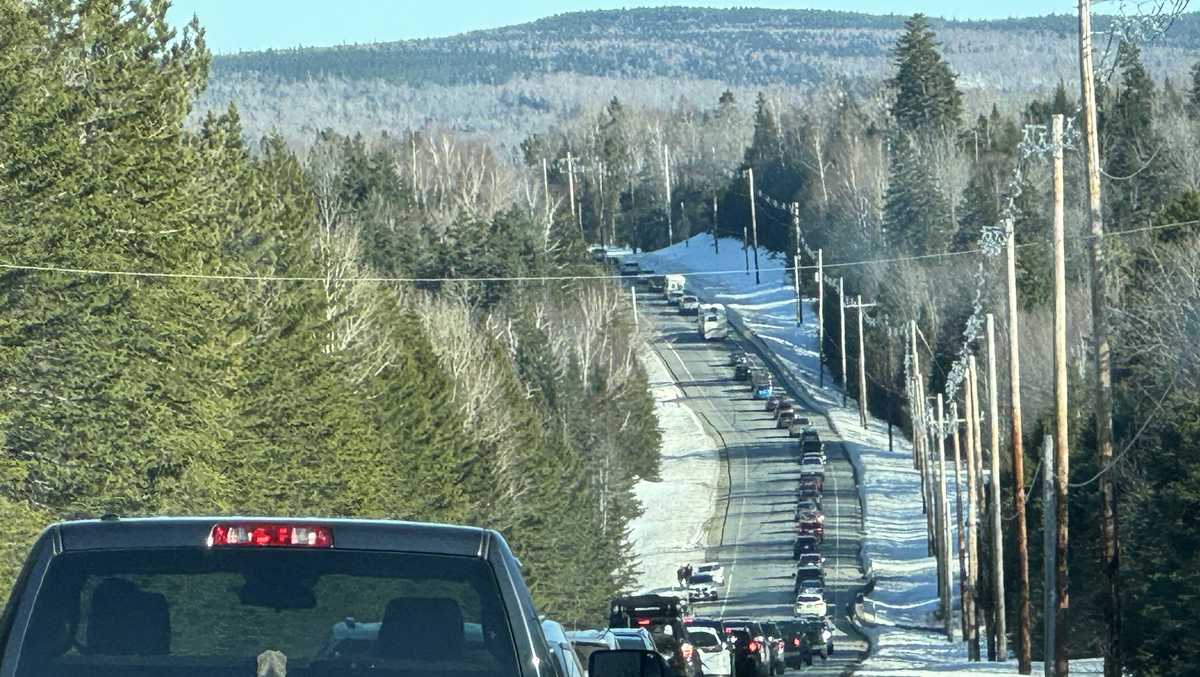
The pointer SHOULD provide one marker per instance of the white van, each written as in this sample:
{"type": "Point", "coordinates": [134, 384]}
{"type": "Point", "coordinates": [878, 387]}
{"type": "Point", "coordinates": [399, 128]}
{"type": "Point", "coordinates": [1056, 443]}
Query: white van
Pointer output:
{"type": "Point", "coordinates": [675, 283]}
{"type": "Point", "coordinates": [713, 324]}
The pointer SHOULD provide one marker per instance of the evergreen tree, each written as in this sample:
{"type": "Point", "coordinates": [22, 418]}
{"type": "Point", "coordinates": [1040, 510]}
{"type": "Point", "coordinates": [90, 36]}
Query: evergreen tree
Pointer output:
{"type": "Point", "coordinates": [1132, 142]}
{"type": "Point", "coordinates": [916, 215]}
{"type": "Point", "coordinates": [927, 97]}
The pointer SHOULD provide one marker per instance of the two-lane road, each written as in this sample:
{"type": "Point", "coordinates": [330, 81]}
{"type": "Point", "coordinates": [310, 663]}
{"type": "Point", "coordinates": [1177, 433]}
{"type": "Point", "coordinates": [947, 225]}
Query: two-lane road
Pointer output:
{"type": "Point", "coordinates": [756, 527]}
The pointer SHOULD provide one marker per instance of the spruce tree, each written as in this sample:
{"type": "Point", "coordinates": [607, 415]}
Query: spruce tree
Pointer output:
{"type": "Point", "coordinates": [927, 100]}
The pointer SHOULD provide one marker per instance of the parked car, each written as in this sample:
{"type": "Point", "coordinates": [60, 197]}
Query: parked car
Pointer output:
{"type": "Point", "coordinates": [689, 305]}
{"type": "Point", "coordinates": [803, 545]}
{"type": "Point", "coordinates": [561, 648]}
{"type": "Point", "coordinates": [701, 587]}
{"type": "Point", "coordinates": [633, 638]}
{"type": "Point", "coordinates": [774, 401]}
{"type": "Point", "coordinates": [673, 296]}
{"type": "Point", "coordinates": [714, 569]}
{"type": "Point", "coordinates": [417, 595]}
{"type": "Point", "coordinates": [809, 606]}
{"type": "Point", "coordinates": [779, 649]}
{"type": "Point", "coordinates": [752, 655]}
{"type": "Point", "coordinates": [662, 616]}
{"type": "Point", "coordinates": [715, 647]}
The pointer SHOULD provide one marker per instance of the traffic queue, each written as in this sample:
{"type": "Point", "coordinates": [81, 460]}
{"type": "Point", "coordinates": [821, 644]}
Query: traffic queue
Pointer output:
{"type": "Point", "coordinates": [683, 624]}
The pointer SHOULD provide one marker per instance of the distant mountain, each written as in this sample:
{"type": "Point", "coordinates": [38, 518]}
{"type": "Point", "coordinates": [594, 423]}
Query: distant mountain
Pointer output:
{"type": "Point", "coordinates": [541, 71]}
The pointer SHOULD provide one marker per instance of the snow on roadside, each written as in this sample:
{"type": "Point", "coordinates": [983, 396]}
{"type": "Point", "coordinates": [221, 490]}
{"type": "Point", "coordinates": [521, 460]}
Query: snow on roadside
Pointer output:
{"type": "Point", "coordinates": [677, 509]}
{"type": "Point", "coordinates": [901, 608]}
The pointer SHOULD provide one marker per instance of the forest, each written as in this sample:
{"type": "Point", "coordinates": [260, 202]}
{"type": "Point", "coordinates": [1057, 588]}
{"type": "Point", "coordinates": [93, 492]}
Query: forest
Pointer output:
{"type": "Point", "coordinates": [195, 381]}
{"type": "Point", "coordinates": [908, 196]}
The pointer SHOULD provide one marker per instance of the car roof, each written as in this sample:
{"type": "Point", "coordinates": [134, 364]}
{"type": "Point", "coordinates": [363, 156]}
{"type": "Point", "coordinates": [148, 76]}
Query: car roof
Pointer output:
{"type": "Point", "coordinates": [111, 533]}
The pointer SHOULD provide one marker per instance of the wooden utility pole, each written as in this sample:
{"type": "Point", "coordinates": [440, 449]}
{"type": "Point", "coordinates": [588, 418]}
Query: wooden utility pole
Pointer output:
{"type": "Point", "coordinates": [964, 597]}
{"type": "Point", "coordinates": [916, 375]}
{"type": "Point", "coordinates": [754, 225]}
{"type": "Point", "coordinates": [633, 297]}
{"type": "Point", "coordinates": [1024, 620]}
{"type": "Point", "coordinates": [944, 535]}
{"type": "Point", "coordinates": [842, 333]}
{"type": "Point", "coordinates": [571, 191]}
{"type": "Point", "coordinates": [997, 536]}
{"type": "Point", "coordinates": [918, 427]}
{"type": "Point", "coordinates": [795, 208]}
{"type": "Point", "coordinates": [667, 178]}
{"type": "Point", "coordinates": [973, 472]}
{"type": "Point", "coordinates": [862, 361]}
{"type": "Point", "coordinates": [1062, 460]}
{"type": "Point", "coordinates": [926, 480]}
{"type": "Point", "coordinates": [821, 314]}
{"type": "Point", "coordinates": [1109, 543]}
{"type": "Point", "coordinates": [1049, 603]}
{"type": "Point", "coordinates": [715, 236]}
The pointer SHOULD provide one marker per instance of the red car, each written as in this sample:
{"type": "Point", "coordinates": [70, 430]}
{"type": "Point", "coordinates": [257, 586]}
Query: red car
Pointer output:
{"type": "Point", "coordinates": [812, 528]}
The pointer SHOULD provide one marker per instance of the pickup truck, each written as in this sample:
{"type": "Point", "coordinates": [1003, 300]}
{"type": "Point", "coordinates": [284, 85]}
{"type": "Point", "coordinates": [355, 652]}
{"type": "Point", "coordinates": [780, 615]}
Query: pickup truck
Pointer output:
{"type": "Point", "coordinates": [240, 597]}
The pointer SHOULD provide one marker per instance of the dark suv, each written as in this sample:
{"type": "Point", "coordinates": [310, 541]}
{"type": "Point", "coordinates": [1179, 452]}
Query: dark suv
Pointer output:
{"type": "Point", "coordinates": [663, 618]}
{"type": "Point", "coordinates": [186, 597]}
{"type": "Point", "coordinates": [753, 654]}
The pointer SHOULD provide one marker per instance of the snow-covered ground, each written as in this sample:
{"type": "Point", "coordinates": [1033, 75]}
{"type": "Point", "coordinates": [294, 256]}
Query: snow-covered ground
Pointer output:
{"type": "Point", "coordinates": [690, 472]}
{"type": "Point", "coordinates": [901, 609]}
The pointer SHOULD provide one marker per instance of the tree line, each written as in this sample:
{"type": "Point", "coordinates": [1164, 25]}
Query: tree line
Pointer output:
{"type": "Point", "coordinates": [197, 381]}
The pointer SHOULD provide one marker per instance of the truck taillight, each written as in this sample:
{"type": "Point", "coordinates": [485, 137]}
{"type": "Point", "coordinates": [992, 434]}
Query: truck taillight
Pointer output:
{"type": "Point", "coordinates": [687, 650]}
{"type": "Point", "coordinates": [795, 641]}
{"type": "Point", "coordinates": [271, 536]}
{"type": "Point", "coordinates": [753, 646]}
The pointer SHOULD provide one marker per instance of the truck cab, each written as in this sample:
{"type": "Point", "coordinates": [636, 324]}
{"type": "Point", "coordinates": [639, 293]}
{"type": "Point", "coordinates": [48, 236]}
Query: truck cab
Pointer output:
{"type": "Point", "coordinates": [185, 597]}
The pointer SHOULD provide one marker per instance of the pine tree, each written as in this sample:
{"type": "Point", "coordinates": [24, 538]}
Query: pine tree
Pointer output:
{"type": "Point", "coordinates": [927, 97]}
{"type": "Point", "coordinates": [916, 215]}
{"type": "Point", "coordinates": [1132, 143]}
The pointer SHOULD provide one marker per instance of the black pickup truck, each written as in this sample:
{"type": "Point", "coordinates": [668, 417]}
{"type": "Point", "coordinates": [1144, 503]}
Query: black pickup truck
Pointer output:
{"type": "Point", "coordinates": [224, 597]}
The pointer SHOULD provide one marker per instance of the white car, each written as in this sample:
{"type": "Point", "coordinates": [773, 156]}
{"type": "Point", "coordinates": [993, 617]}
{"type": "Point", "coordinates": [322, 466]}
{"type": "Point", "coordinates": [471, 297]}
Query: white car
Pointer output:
{"type": "Point", "coordinates": [714, 569]}
{"type": "Point", "coordinates": [812, 465]}
{"type": "Point", "coordinates": [689, 305]}
{"type": "Point", "coordinates": [809, 606]}
{"type": "Point", "coordinates": [716, 656]}
{"type": "Point", "coordinates": [673, 296]}
{"type": "Point", "coordinates": [701, 587]}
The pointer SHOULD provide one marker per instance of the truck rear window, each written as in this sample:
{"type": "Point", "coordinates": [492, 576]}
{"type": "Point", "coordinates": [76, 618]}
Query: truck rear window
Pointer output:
{"type": "Point", "coordinates": [192, 612]}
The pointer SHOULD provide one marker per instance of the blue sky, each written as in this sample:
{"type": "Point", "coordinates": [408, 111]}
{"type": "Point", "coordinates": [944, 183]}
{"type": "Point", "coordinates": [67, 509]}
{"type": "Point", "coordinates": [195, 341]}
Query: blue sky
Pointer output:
{"type": "Point", "coordinates": [235, 25]}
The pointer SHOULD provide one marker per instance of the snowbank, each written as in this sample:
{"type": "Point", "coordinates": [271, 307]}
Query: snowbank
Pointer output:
{"type": "Point", "coordinates": [672, 530]}
{"type": "Point", "coordinates": [900, 611]}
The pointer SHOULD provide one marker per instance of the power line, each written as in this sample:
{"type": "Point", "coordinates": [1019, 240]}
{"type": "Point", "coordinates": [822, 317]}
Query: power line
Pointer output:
{"type": "Point", "coordinates": [535, 278]}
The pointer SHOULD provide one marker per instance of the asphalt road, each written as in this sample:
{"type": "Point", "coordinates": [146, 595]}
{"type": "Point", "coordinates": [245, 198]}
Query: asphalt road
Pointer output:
{"type": "Point", "coordinates": [757, 529]}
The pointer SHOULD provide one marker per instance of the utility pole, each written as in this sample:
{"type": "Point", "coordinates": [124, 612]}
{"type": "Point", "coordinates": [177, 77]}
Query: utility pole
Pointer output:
{"type": "Point", "coordinates": [546, 188]}
{"type": "Point", "coordinates": [633, 296]}
{"type": "Point", "coordinates": [997, 539]}
{"type": "Point", "coordinates": [821, 314]}
{"type": "Point", "coordinates": [799, 301]}
{"type": "Point", "coordinates": [972, 412]}
{"type": "Point", "coordinates": [754, 225]}
{"type": "Point", "coordinates": [687, 241]}
{"type": "Point", "coordinates": [944, 511]}
{"type": "Point", "coordinates": [842, 323]}
{"type": "Point", "coordinates": [1109, 545]}
{"type": "Point", "coordinates": [667, 178]}
{"type": "Point", "coordinates": [716, 238]}
{"type": "Point", "coordinates": [917, 405]}
{"type": "Point", "coordinates": [1024, 636]}
{"type": "Point", "coordinates": [916, 375]}
{"type": "Point", "coordinates": [571, 188]}
{"type": "Point", "coordinates": [862, 361]}
{"type": "Point", "coordinates": [1049, 602]}
{"type": "Point", "coordinates": [1062, 575]}
{"type": "Point", "coordinates": [745, 249]}
{"type": "Point", "coordinates": [926, 480]}
{"type": "Point", "coordinates": [964, 598]}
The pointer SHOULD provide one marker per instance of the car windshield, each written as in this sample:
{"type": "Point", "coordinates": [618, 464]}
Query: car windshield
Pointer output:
{"type": "Point", "coordinates": [179, 611]}
{"type": "Point", "coordinates": [630, 642]}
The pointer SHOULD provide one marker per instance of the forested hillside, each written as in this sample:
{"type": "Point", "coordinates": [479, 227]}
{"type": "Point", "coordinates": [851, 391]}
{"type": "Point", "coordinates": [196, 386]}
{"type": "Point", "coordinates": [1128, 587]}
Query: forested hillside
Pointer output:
{"type": "Point", "coordinates": [512, 81]}
{"type": "Point", "coordinates": [195, 382]}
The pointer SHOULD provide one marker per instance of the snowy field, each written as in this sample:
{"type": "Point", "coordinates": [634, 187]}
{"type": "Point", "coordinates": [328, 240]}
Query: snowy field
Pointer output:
{"type": "Point", "coordinates": [900, 612]}
{"type": "Point", "coordinates": [691, 468]}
